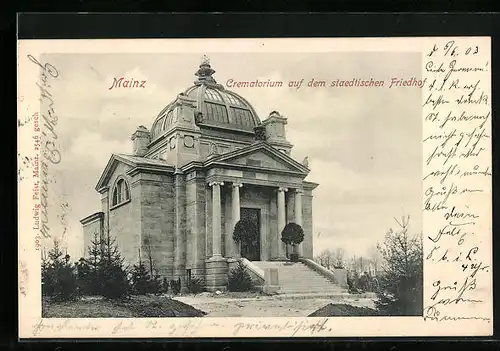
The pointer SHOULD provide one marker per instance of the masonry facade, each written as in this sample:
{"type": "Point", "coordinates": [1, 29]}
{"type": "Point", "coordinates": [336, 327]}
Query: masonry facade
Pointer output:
{"type": "Point", "coordinates": [207, 161]}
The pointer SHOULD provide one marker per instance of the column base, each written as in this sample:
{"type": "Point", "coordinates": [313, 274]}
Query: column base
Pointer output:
{"type": "Point", "coordinates": [216, 258]}
{"type": "Point", "coordinates": [216, 272]}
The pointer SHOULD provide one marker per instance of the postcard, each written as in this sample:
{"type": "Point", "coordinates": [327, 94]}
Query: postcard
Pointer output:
{"type": "Point", "coordinates": [235, 188]}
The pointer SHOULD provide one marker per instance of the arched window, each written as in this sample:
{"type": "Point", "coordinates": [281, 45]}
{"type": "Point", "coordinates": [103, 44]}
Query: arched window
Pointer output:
{"type": "Point", "coordinates": [121, 193]}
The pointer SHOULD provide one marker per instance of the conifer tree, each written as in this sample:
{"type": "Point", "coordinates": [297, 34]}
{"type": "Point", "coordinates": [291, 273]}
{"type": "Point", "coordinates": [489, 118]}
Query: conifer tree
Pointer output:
{"type": "Point", "coordinates": [401, 279]}
{"type": "Point", "coordinates": [47, 277]}
{"type": "Point", "coordinates": [239, 279]}
{"type": "Point", "coordinates": [141, 280]}
{"type": "Point", "coordinates": [88, 268]}
{"type": "Point", "coordinates": [58, 275]}
{"type": "Point", "coordinates": [111, 272]}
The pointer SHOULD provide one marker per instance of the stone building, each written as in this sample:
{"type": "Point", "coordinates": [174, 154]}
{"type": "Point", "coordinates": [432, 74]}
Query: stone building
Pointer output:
{"type": "Point", "coordinates": [207, 161]}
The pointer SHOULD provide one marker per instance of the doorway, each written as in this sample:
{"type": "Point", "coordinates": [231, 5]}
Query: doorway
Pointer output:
{"type": "Point", "coordinates": [250, 249]}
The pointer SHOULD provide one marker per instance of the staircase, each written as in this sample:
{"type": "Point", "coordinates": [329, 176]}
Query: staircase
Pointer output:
{"type": "Point", "coordinates": [297, 278]}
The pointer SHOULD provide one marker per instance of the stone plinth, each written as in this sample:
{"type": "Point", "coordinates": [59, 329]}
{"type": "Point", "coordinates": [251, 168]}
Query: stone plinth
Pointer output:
{"type": "Point", "coordinates": [340, 277]}
{"type": "Point", "coordinates": [216, 273]}
{"type": "Point", "coordinates": [271, 278]}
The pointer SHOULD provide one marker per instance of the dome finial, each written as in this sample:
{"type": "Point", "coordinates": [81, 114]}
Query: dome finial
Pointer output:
{"type": "Point", "coordinates": [205, 60]}
{"type": "Point", "coordinates": [205, 72]}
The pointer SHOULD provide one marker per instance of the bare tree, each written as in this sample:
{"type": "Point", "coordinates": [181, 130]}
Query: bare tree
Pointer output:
{"type": "Point", "coordinates": [375, 259]}
{"type": "Point", "coordinates": [153, 274]}
{"type": "Point", "coordinates": [339, 258]}
{"type": "Point", "coordinates": [147, 243]}
{"type": "Point", "coordinates": [326, 259]}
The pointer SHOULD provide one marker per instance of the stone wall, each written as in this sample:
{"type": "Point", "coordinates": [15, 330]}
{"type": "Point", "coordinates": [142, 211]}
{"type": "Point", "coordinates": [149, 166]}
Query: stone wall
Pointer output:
{"type": "Point", "coordinates": [92, 225]}
{"type": "Point", "coordinates": [124, 219]}
{"type": "Point", "coordinates": [157, 220]}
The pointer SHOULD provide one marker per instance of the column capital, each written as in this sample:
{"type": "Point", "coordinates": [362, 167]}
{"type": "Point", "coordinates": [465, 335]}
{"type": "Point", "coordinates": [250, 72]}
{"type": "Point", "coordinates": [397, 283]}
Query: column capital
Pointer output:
{"type": "Point", "coordinates": [237, 185]}
{"type": "Point", "coordinates": [215, 183]}
{"type": "Point", "coordinates": [299, 191]}
{"type": "Point", "coordinates": [282, 189]}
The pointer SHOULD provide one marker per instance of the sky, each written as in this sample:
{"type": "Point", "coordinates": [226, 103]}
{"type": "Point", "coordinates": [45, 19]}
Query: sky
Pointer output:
{"type": "Point", "coordinates": [363, 144]}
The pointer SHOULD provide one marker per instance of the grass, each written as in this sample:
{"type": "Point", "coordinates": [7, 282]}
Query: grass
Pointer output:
{"type": "Point", "coordinates": [135, 307]}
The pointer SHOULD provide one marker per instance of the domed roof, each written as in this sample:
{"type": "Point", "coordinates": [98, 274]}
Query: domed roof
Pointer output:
{"type": "Point", "coordinates": [216, 106]}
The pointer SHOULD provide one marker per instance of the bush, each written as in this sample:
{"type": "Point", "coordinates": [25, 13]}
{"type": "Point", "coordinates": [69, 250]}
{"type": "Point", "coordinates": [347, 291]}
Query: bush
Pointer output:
{"type": "Point", "coordinates": [155, 284]}
{"type": "Point", "coordinates": [247, 234]}
{"type": "Point", "coordinates": [292, 234]}
{"type": "Point", "coordinates": [196, 285]}
{"type": "Point", "coordinates": [175, 286]}
{"type": "Point", "coordinates": [164, 285]}
{"type": "Point", "coordinates": [239, 279]}
{"type": "Point", "coordinates": [245, 231]}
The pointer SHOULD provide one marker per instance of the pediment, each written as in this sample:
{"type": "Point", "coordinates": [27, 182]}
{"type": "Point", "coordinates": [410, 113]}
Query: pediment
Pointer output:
{"type": "Point", "coordinates": [129, 163]}
{"type": "Point", "coordinates": [261, 159]}
{"type": "Point", "coordinates": [262, 156]}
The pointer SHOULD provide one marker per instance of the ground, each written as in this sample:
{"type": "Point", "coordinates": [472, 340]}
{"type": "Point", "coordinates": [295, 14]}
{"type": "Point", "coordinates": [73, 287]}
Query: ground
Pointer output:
{"type": "Point", "coordinates": [332, 310]}
{"type": "Point", "coordinates": [135, 307]}
{"type": "Point", "coordinates": [257, 305]}
{"type": "Point", "coordinates": [228, 304]}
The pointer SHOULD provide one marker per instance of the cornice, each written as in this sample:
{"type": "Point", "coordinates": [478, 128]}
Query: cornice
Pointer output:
{"type": "Point", "coordinates": [92, 218]}
{"type": "Point", "coordinates": [151, 170]}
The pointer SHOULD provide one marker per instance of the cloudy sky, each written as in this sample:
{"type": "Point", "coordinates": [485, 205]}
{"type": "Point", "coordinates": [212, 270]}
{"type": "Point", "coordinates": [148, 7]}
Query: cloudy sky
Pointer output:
{"type": "Point", "coordinates": [363, 143]}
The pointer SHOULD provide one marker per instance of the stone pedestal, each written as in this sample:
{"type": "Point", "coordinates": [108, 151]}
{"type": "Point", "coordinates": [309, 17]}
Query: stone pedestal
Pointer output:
{"type": "Point", "coordinates": [271, 285]}
{"type": "Point", "coordinates": [216, 274]}
{"type": "Point", "coordinates": [340, 277]}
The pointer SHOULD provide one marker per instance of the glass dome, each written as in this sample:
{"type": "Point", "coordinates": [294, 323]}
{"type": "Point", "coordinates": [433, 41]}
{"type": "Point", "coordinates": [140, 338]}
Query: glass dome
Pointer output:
{"type": "Point", "coordinates": [219, 108]}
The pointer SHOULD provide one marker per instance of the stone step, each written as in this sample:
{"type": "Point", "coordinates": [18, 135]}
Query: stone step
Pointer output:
{"type": "Point", "coordinates": [311, 282]}
{"type": "Point", "coordinates": [302, 289]}
{"type": "Point", "coordinates": [290, 283]}
{"type": "Point", "coordinates": [289, 291]}
{"type": "Point", "coordinates": [298, 278]}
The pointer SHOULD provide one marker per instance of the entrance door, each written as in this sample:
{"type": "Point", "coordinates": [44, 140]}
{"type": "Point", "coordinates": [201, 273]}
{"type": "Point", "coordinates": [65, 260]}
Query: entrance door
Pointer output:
{"type": "Point", "coordinates": [250, 249]}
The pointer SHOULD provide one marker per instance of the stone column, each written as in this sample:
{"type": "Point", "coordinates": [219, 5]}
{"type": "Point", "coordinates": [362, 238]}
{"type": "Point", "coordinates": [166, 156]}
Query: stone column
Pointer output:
{"type": "Point", "coordinates": [216, 219]}
{"type": "Point", "coordinates": [298, 212]}
{"type": "Point", "coordinates": [216, 266]}
{"type": "Point", "coordinates": [281, 221]}
{"type": "Point", "coordinates": [235, 211]}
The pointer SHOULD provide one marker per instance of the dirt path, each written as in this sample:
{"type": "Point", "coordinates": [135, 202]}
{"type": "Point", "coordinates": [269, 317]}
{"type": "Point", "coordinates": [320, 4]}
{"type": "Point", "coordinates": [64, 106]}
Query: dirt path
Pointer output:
{"type": "Point", "coordinates": [265, 306]}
